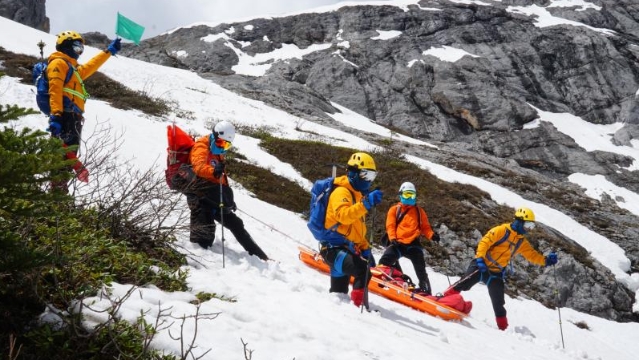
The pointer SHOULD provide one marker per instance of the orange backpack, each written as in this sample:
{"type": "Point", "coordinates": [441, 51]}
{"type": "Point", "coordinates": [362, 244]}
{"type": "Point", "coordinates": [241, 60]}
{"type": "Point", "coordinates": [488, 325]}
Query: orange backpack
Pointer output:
{"type": "Point", "coordinates": [179, 173]}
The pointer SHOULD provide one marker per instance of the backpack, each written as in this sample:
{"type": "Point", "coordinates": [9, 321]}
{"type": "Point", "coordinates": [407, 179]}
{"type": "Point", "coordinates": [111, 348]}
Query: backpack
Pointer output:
{"type": "Point", "coordinates": [179, 173]}
{"type": "Point", "coordinates": [320, 193]}
{"type": "Point", "coordinates": [41, 82]}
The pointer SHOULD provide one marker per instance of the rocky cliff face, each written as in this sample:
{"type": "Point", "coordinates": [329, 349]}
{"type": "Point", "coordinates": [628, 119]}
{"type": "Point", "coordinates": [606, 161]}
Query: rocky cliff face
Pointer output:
{"type": "Point", "coordinates": [28, 12]}
{"type": "Point", "coordinates": [514, 57]}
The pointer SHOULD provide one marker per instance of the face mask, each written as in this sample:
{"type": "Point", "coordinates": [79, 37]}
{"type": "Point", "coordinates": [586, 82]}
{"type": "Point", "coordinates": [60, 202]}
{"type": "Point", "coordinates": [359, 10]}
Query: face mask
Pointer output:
{"type": "Point", "coordinates": [78, 47]}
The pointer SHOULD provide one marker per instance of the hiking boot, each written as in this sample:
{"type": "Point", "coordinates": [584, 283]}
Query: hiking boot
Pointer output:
{"type": "Point", "coordinates": [421, 291]}
{"type": "Point", "coordinates": [451, 291]}
{"type": "Point", "coordinates": [502, 322]}
{"type": "Point", "coordinates": [203, 244]}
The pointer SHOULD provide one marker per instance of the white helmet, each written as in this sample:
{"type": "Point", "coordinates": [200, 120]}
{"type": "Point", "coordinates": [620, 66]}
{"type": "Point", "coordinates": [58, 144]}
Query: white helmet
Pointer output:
{"type": "Point", "coordinates": [224, 130]}
{"type": "Point", "coordinates": [407, 186]}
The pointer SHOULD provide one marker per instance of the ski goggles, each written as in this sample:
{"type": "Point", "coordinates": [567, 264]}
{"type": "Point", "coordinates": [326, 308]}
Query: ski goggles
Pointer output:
{"type": "Point", "coordinates": [529, 225]}
{"type": "Point", "coordinates": [367, 175]}
{"type": "Point", "coordinates": [222, 144]}
{"type": "Point", "coordinates": [409, 194]}
{"type": "Point", "coordinates": [78, 47]}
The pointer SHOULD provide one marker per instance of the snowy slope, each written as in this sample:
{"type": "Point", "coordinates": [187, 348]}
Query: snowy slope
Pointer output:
{"type": "Point", "coordinates": [283, 309]}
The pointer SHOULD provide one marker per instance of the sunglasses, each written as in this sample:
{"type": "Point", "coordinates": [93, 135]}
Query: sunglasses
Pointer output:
{"type": "Point", "coordinates": [529, 225]}
{"type": "Point", "coordinates": [78, 47]}
{"type": "Point", "coordinates": [409, 194]}
{"type": "Point", "coordinates": [367, 175]}
{"type": "Point", "coordinates": [222, 144]}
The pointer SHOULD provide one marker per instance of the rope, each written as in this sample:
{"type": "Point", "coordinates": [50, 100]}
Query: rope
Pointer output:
{"type": "Point", "coordinates": [271, 227]}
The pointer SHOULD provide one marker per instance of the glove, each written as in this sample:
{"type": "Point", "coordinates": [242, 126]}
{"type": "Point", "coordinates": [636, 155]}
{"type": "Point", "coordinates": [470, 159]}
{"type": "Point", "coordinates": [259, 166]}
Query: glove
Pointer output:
{"type": "Point", "coordinates": [114, 46]}
{"type": "Point", "coordinates": [435, 237]}
{"type": "Point", "coordinates": [366, 254]}
{"type": "Point", "coordinates": [373, 199]}
{"type": "Point", "coordinates": [55, 125]}
{"type": "Point", "coordinates": [551, 259]}
{"type": "Point", "coordinates": [219, 169]}
{"type": "Point", "coordinates": [481, 265]}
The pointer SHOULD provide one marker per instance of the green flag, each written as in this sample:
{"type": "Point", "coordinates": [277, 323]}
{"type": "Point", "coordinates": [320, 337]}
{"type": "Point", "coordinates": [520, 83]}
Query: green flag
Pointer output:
{"type": "Point", "coordinates": [129, 30]}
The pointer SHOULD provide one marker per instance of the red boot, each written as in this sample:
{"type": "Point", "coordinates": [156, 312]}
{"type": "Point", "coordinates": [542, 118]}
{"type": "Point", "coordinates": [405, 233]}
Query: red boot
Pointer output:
{"type": "Point", "coordinates": [451, 291]}
{"type": "Point", "coordinates": [357, 296]}
{"type": "Point", "coordinates": [502, 322]}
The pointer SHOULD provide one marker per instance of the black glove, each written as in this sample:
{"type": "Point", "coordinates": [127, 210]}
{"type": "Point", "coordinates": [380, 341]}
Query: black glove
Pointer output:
{"type": "Point", "coordinates": [435, 237]}
{"type": "Point", "coordinates": [219, 169]}
{"type": "Point", "coordinates": [55, 125]}
{"type": "Point", "coordinates": [114, 46]}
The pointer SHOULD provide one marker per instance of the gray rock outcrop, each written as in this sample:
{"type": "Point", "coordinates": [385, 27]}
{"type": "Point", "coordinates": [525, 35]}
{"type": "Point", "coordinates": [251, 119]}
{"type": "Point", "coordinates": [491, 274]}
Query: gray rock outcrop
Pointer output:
{"type": "Point", "coordinates": [28, 12]}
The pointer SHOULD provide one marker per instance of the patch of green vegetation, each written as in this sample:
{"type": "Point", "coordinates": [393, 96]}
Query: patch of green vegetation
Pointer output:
{"type": "Point", "coordinates": [205, 296]}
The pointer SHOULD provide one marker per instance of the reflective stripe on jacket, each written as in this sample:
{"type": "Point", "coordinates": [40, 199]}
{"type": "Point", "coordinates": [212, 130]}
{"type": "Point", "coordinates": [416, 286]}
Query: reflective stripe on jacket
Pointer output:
{"type": "Point", "coordinates": [57, 71]}
{"type": "Point", "coordinates": [497, 254]}
{"type": "Point", "coordinates": [348, 211]}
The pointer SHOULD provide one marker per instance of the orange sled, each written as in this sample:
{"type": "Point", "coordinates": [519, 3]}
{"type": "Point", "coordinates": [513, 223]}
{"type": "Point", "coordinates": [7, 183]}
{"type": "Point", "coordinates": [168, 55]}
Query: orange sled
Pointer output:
{"type": "Point", "coordinates": [389, 290]}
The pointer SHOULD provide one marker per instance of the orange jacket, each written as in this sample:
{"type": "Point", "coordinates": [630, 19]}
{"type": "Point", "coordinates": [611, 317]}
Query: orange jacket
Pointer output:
{"type": "Point", "coordinates": [201, 158]}
{"type": "Point", "coordinates": [57, 71]}
{"type": "Point", "coordinates": [345, 207]}
{"type": "Point", "coordinates": [498, 256]}
{"type": "Point", "coordinates": [408, 228]}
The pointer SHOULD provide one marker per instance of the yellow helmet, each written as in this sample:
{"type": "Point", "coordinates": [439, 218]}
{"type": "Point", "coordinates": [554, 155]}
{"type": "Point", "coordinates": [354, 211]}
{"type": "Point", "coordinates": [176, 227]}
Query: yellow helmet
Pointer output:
{"type": "Point", "coordinates": [524, 214]}
{"type": "Point", "coordinates": [361, 161]}
{"type": "Point", "coordinates": [68, 35]}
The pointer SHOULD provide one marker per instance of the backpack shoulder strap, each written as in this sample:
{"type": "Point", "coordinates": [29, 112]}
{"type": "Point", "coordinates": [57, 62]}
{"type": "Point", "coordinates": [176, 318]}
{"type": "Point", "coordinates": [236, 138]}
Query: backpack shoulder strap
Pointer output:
{"type": "Point", "coordinates": [69, 72]}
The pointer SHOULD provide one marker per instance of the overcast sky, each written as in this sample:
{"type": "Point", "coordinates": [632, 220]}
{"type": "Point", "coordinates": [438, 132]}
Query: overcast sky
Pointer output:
{"type": "Point", "coordinates": [159, 16]}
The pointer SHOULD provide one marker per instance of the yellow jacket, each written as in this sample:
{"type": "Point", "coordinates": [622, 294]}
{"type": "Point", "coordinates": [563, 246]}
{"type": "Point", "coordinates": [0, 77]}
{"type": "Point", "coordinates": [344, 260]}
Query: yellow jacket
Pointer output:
{"type": "Point", "coordinates": [201, 158]}
{"type": "Point", "coordinates": [497, 256]}
{"type": "Point", "coordinates": [409, 227]}
{"type": "Point", "coordinates": [345, 207]}
{"type": "Point", "coordinates": [57, 71]}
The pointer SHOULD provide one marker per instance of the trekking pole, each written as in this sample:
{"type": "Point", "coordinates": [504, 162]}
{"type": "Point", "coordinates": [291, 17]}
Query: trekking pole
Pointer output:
{"type": "Point", "coordinates": [462, 279]}
{"type": "Point", "coordinates": [447, 255]}
{"type": "Point", "coordinates": [222, 216]}
{"type": "Point", "coordinates": [368, 264]}
{"type": "Point", "coordinates": [561, 329]}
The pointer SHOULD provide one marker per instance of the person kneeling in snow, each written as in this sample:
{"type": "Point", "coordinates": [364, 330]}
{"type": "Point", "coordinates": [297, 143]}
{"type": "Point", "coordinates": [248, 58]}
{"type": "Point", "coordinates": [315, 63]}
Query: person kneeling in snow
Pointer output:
{"type": "Point", "coordinates": [494, 252]}
{"type": "Point", "coordinates": [203, 197]}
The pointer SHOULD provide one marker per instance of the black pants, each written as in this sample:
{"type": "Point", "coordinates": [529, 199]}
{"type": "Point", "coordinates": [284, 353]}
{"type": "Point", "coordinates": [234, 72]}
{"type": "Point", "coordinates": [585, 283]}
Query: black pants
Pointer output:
{"type": "Point", "coordinates": [413, 252]}
{"type": "Point", "coordinates": [204, 213]}
{"type": "Point", "coordinates": [70, 135]}
{"type": "Point", "coordinates": [345, 264]}
{"type": "Point", "coordinates": [494, 282]}
{"type": "Point", "coordinates": [72, 124]}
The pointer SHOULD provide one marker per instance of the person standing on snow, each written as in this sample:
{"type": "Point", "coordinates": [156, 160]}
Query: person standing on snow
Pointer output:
{"type": "Point", "coordinates": [66, 100]}
{"type": "Point", "coordinates": [203, 196]}
{"type": "Point", "coordinates": [494, 252]}
{"type": "Point", "coordinates": [349, 253]}
{"type": "Point", "coordinates": [405, 224]}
